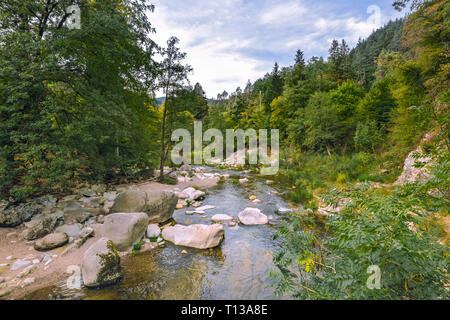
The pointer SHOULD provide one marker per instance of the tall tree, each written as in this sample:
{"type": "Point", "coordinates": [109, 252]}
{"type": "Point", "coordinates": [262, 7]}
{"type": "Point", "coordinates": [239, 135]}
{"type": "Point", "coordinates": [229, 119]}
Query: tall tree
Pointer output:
{"type": "Point", "coordinates": [73, 102]}
{"type": "Point", "coordinates": [173, 75]}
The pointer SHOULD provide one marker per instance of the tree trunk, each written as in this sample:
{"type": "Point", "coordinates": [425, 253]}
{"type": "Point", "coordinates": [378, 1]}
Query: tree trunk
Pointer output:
{"type": "Point", "coordinates": [163, 134]}
{"type": "Point", "coordinates": [328, 150]}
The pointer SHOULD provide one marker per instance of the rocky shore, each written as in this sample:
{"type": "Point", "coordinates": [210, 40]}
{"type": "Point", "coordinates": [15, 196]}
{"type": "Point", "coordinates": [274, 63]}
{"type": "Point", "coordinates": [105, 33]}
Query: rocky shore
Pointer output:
{"type": "Point", "coordinates": [45, 240]}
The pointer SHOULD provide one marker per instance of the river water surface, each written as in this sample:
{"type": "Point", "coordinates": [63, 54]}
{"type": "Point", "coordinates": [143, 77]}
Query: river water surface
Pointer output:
{"type": "Point", "coordinates": [237, 269]}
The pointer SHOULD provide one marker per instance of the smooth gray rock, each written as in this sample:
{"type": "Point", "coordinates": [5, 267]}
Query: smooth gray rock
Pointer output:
{"type": "Point", "coordinates": [72, 207]}
{"type": "Point", "coordinates": [194, 194]}
{"type": "Point", "coordinates": [153, 231]}
{"type": "Point", "coordinates": [72, 230]}
{"type": "Point", "coordinates": [20, 264]}
{"type": "Point", "coordinates": [51, 241]}
{"type": "Point", "coordinates": [101, 264]}
{"type": "Point", "coordinates": [222, 218]}
{"type": "Point", "coordinates": [160, 206]}
{"type": "Point", "coordinates": [86, 232]}
{"type": "Point", "coordinates": [195, 236]}
{"type": "Point", "coordinates": [252, 216]}
{"type": "Point", "coordinates": [130, 201]}
{"type": "Point", "coordinates": [124, 229]}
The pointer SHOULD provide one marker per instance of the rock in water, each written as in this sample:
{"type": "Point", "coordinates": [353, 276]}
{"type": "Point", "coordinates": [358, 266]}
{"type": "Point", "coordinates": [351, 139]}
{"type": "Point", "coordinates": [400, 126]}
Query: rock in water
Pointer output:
{"type": "Point", "coordinates": [101, 264]}
{"type": "Point", "coordinates": [12, 216]}
{"type": "Point", "coordinates": [51, 241]}
{"type": "Point", "coordinates": [194, 194]}
{"type": "Point", "coordinates": [252, 216]}
{"type": "Point", "coordinates": [130, 201]}
{"type": "Point", "coordinates": [221, 218]}
{"type": "Point", "coordinates": [124, 229]}
{"type": "Point", "coordinates": [195, 236]}
{"type": "Point", "coordinates": [160, 206]}
{"type": "Point", "coordinates": [284, 210]}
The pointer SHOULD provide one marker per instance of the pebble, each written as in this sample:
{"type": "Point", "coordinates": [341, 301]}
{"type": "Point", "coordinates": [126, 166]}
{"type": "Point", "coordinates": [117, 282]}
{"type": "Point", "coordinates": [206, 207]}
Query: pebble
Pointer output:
{"type": "Point", "coordinates": [46, 257]}
{"type": "Point", "coordinates": [19, 264]}
{"type": "Point", "coordinates": [9, 257]}
{"type": "Point", "coordinates": [36, 261]}
{"type": "Point", "coordinates": [48, 261]}
{"type": "Point", "coordinates": [27, 282]}
{"type": "Point", "coordinates": [184, 252]}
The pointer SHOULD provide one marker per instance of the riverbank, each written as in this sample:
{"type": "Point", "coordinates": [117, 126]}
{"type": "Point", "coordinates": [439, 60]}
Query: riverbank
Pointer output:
{"type": "Point", "coordinates": [49, 267]}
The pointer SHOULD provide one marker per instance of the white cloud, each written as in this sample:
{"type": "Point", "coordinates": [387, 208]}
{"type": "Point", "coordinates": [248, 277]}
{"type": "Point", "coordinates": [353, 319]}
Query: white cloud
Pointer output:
{"type": "Point", "coordinates": [283, 13]}
{"type": "Point", "coordinates": [231, 41]}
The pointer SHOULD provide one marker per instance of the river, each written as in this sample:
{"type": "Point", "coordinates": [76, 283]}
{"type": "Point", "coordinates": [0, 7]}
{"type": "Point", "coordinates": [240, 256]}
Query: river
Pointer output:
{"type": "Point", "coordinates": [237, 269]}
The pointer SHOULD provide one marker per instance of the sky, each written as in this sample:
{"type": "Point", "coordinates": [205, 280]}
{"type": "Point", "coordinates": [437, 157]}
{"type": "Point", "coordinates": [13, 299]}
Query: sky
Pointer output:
{"type": "Point", "coordinates": [229, 42]}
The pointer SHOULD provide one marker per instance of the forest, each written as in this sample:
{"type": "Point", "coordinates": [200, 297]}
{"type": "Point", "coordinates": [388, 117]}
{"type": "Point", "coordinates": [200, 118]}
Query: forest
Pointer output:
{"type": "Point", "coordinates": [80, 106]}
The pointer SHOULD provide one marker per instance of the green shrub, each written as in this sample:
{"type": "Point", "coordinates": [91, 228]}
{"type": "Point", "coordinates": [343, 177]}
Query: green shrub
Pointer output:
{"type": "Point", "coordinates": [373, 229]}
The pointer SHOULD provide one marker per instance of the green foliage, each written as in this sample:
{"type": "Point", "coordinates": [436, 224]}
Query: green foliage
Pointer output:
{"type": "Point", "coordinates": [368, 136]}
{"type": "Point", "coordinates": [371, 229]}
{"type": "Point", "coordinates": [378, 103]}
{"type": "Point", "coordinates": [72, 107]}
{"type": "Point", "coordinates": [153, 239]}
{"type": "Point", "coordinates": [136, 248]}
{"type": "Point", "coordinates": [364, 56]}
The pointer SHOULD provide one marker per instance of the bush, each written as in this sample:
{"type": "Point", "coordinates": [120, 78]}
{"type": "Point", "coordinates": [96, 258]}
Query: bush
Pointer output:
{"type": "Point", "coordinates": [373, 229]}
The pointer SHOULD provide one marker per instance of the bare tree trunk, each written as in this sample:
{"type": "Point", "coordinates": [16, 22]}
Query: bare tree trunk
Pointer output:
{"type": "Point", "coordinates": [328, 150]}
{"type": "Point", "coordinates": [163, 134]}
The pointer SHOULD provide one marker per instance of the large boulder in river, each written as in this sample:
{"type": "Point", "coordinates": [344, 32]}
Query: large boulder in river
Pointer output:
{"type": "Point", "coordinates": [14, 215]}
{"type": "Point", "coordinates": [130, 201]}
{"type": "Point", "coordinates": [194, 194]}
{"type": "Point", "coordinates": [42, 226]}
{"type": "Point", "coordinates": [195, 236]}
{"type": "Point", "coordinates": [252, 216]}
{"type": "Point", "coordinates": [160, 206]}
{"type": "Point", "coordinates": [124, 229]}
{"type": "Point", "coordinates": [101, 264]}
{"type": "Point", "coordinates": [51, 241]}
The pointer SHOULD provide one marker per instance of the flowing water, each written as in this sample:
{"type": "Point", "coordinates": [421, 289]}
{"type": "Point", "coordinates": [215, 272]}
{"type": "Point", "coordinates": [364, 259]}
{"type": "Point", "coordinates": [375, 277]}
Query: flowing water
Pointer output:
{"type": "Point", "coordinates": [237, 269]}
